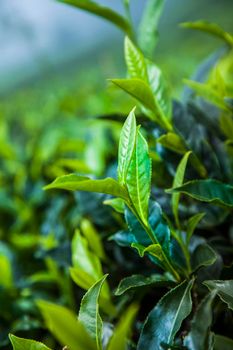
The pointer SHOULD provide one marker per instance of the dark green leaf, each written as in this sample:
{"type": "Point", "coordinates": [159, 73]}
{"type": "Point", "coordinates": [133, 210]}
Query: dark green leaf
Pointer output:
{"type": "Point", "coordinates": [203, 255]}
{"type": "Point", "coordinates": [26, 344]}
{"type": "Point", "coordinates": [164, 321]}
{"type": "Point", "coordinates": [137, 281]}
{"type": "Point", "coordinates": [89, 312]}
{"type": "Point", "coordinates": [139, 177]}
{"type": "Point", "coordinates": [211, 191]}
{"type": "Point", "coordinates": [75, 182]}
{"type": "Point", "coordinates": [192, 224]}
{"type": "Point", "coordinates": [126, 147]}
{"type": "Point", "coordinates": [224, 290]}
{"type": "Point", "coordinates": [221, 342]}
{"type": "Point", "coordinates": [102, 11]}
{"type": "Point", "coordinates": [63, 324]}
{"type": "Point", "coordinates": [198, 337]}
{"type": "Point", "coordinates": [148, 33]}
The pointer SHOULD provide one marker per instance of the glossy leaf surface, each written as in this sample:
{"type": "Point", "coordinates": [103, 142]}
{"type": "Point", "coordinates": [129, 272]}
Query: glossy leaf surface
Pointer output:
{"type": "Point", "coordinates": [89, 312]}
{"type": "Point", "coordinates": [198, 337]}
{"type": "Point", "coordinates": [137, 281]}
{"type": "Point", "coordinates": [126, 146]}
{"type": "Point", "coordinates": [211, 191]}
{"type": "Point", "coordinates": [164, 321]}
{"type": "Point", "coordinates": [139, 177]}
{"type": "Point", "coordinates": [224, 290]}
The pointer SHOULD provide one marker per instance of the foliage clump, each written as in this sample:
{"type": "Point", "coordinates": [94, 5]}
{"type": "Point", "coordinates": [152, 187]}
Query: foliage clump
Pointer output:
{"type": "Point", "coordinates": [152, 245]}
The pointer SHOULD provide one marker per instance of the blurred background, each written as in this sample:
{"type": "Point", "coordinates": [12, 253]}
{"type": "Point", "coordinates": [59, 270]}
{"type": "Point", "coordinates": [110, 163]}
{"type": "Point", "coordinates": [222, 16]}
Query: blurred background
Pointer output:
{"type": "Point", "coordinates": [40, 39]}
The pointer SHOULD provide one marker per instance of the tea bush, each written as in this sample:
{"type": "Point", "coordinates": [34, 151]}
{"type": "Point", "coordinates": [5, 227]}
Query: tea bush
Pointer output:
{"type": "Point", "coordinates": [147, 234]}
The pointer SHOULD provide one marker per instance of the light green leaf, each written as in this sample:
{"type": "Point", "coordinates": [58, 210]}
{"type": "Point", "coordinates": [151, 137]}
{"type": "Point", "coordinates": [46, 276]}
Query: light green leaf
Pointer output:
{"type": "Point", "coordinates": [75, 182]}
{"type": "Point", "coordinates": [173, 142]}
{"type": "Point", "coordinates": [207, 92]}
{"type": "Point", "coordinates": [139, 177]}
{"type": "Point", "coordinates": [161, 92]}
{"type": "Point", "coordinates": [192, 224]}
{"type": "Point", "coordinates": [116, 203]}
{"type": "Point", "coordinates": [203, 255]}
{"type": "Point", "coordinates": [164, 321]}
{"type": "Point", "coordinates": [178, 180]}
{"type": "Point", "coordinates": [210, 28]}
{"type": "Point", "coordinates": [119, 339]}
{"type": "Point", "coordinates": [211, 191]}
{"type": "Point", "coordinates": [198, 337]}
{"type": "Point", "coordinates": [137, 281]}
{"type": "Point", "coordinates": [148, 33]}
{"type": "Point", "coordinates": [126, 146]}
{"type": "Point", "coordinates": [63, 324]}
{"type": "Point", "coordinates": [26, 344]}
{"type": "Point", "coordinates": [224, 290]}
{"type": "Point", "coordinates": [102, 11]}
{"type": "Point", "coordinates": [89, 312]}
{"type": "Point", "coordinates": [81, 278]}
{"type": "Point", "coordinates": [135, 61]}
{"type": "Point", "coordinates": [138, 89]}
{"type": "Point", "coordinates": [221, 342]}
{"type": "Point", "coordinates": [6, 273]}
{"type": "Point", "coordinates": [93, 238]}
{"type": "Point", "coordinates": [153, 249]}
{"type": "Point", "coordinates": [84, 259]}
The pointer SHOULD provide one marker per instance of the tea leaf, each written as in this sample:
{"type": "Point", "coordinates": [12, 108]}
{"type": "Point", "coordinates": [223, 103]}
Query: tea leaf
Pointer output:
{"type": "Point", "coordinates": [75, 182]}
{"type": "Point", "coordinates": [192, 224]}
{"type": "Point", "coordinates": [26, 344]}
{"type": "Point", "coordinates": [211, 191]}
{"type": "Point", "coordinates": [148, 33]}
{"type": "Point", "coordinates": [221, 342]}
{"type": "Point", "coordinates": [137, 281]}
{"type": "Point", "coordinates": [119, 340]}
{"type": "Point", "coordinates": [210, 28]}
{"type": "Point", "coordinates": [207, 92]}
{"type": "Point", "coordinates": [138, 89]}
{"type": "Point", "coordinates": [198, 337]}
{"type": "Point", "coordinates": [139, 177]}
{"type": "Point", "coordinates": [203, 255]}
{"type": "Point", "coordinates": [164, 321]}
{"type": "Point", "coordinates": [224, 289]}
{"type": "Point", "coordinates": [173, 142]}
{"type": "Point", "coordinates": [64, 325]}
{"type": "Point", "coordinates": [116, 203]}
{"type": "Point", "coordinates": [102, 11]}
{"type": "Point", "coordinates": [93, 238]}
{"type": "Point", "coordinates": [178, 180]}
{"type": "Point", "coordinates": [161, 92]}
{"type": "Point", "coordinates": [135, 61]}
{"type": "Point", "coordinates": [126, 146]}
{"type": "Point", "coordinates": [89, 312]}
